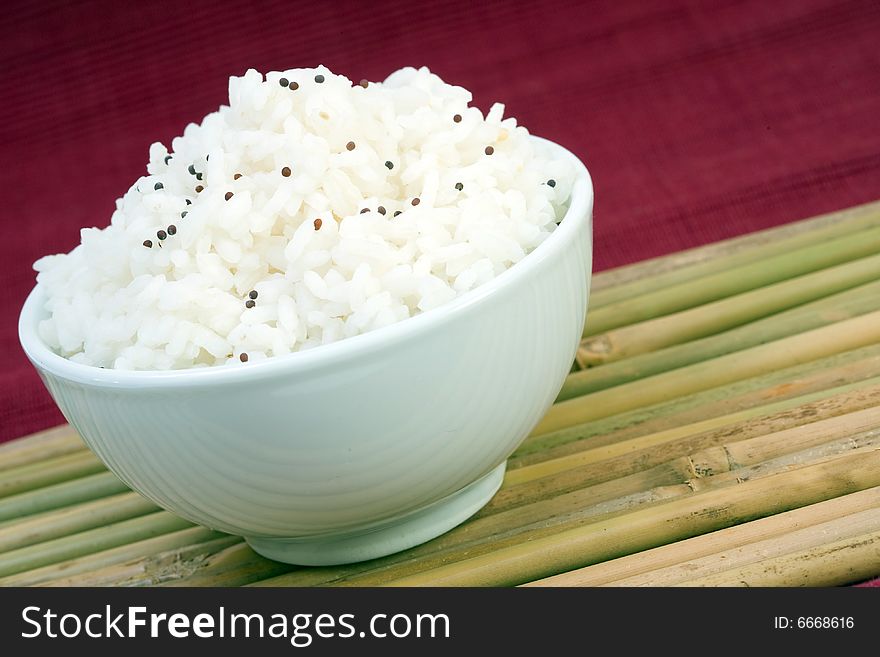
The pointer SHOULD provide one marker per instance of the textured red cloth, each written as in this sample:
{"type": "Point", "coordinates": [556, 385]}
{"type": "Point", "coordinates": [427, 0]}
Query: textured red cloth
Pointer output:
{"type": "Point", "coordinates": [699, 121]}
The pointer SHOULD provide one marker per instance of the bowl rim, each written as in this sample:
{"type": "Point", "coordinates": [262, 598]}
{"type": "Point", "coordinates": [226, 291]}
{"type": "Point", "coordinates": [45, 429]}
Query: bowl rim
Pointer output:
{"type": "Point", "coordinates": [44, 358]}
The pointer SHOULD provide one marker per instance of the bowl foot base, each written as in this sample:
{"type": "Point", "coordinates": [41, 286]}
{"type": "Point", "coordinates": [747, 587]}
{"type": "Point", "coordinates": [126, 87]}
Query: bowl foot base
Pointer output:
{"type": "Point", "coordinates": [393, 536]}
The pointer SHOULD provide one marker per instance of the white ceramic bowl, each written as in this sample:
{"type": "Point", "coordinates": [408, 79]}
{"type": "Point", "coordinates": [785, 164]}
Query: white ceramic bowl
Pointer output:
{"type": "Point", "coordinates": [358, 448]}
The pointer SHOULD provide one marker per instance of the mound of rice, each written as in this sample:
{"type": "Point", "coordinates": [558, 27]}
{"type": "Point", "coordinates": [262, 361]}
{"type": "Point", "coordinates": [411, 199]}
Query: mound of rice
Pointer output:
{"type": "Point", "coordinates": [307, 211]}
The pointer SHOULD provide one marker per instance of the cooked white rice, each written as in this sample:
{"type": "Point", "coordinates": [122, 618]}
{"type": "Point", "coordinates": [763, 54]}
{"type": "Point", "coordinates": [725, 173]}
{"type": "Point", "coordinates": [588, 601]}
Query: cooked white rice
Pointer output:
{"type": "Point", "coordinates": [134, 297]}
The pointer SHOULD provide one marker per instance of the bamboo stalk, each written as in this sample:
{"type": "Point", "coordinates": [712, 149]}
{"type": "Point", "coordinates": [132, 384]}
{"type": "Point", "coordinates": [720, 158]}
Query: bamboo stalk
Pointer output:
{"type": "Point", "coordinates": [237, 565]}
{"type": "Point", "coordinates": [656, 525]}
{"type": "Point", "coordinates": [671, 479]}
{"type": "Point", "coordinates": [67, 573]}
{"type": "Point", "coordinates": [57, 441]}
{"type": "Point", "coordinates": [721, 474]}
{"type": "Point", "coordinates": [701, 450]}
{"type": "Point", "coordinates": [846, 372]}
{"type": "Point", "coordinates": [87, 542]}
{"type": "Point", "coordinates": [154, 569]}
{"type": "Point", "coordinates": [648, 275]}
{"type": "Point", "coordinates": [592, 516]}
{"type": "Point", "coordinates": [838, 307]}
{"type": "Point", "coordinates": [789, 446]}
{"type": "Point", "coordinates": [73, 519]}
{"type": "Point", "coordinates": [821, 430]}
{"type": "Point", "coordinates": [55, 496]}
{"type": "Point", "coordinates": [482, 534]}
{"type": "Point", "coordinates": [845, 561]}
{"type": "Point", "coordinates": [733, 281]}
{"type": "Point", "coordinates": [541, 517]}
{"type": "Point", "coordinates": [801, 348]}
{"type": "Point", "coordinates": [60, 468]}
{"type": "Point", "coordinates": [791, 409]}
{"type": "Point", "coordinates": [802, 538]}
{"type": "Point", "coordinates": [667, 564]}
{"type": "Point", "coordinates": [717, 316]}
{"type": "Point", "coordinates": [242, 575]}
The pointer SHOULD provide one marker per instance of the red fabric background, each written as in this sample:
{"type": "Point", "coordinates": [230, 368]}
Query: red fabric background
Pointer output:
{"type": "Point", "coordinates": [699, 121]}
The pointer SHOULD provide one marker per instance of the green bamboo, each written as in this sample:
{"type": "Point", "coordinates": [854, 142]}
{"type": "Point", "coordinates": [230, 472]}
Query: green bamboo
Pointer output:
{"type": "Point", "coordinates": [58, 495]}
{"type": "Point", "coordinates": [712, 318]}
{"type": "Point", "coordinates": [431, 568]}
{"type": "Point", "coordinates": [851, 370]}
{"type": "Point", "coordinates": [36, 475]}
{"type": "Point", "coordinates": [549, 508]}
{"type": "Point", "coordinates": [656, 525]}
{"type": "Point", "coordinates": [237, 565]}
{"type": "Point", "coordinates": [152, 569]}
{"type": "Point", "coordinates": [545, 504]}
{"type": "Point", "coordinates": [87, 542]}
{"type": "Point", "coordinates": [674, 562]}
{"type": "Point", "coordinates": [733, 281]}
{"type": "Point", "coordinates": [649, 275]}
{"type": "Point", "coordinates": [801, 348]}
{"type": "Point", "coordinates": [844, 305]}
{"type": "Point", "coordinates": [697, 443]}
{"type": "Point", "coordinates": [73, 519]}
{"type": "Point", "coordinates": [58, 441]}
{"type": "Point", "coordinates": [583, 461]}
{"type": "Point", "coordinates": [87, 565]}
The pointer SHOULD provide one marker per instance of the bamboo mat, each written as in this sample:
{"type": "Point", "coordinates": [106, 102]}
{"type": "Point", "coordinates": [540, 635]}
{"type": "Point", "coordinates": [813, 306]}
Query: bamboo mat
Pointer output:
{"type": "Point", "coordinates": [721, 427]}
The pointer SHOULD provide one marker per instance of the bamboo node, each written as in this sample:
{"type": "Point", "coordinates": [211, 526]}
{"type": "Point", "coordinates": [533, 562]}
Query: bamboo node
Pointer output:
{"type": "Point", "coordinates": [594, 350]}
